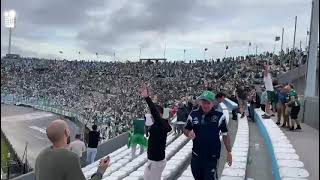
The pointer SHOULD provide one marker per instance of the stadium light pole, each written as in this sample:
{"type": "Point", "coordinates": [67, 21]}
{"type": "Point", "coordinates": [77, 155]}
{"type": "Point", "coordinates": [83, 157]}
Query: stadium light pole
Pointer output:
{"type": "Point", "coordinates": [295, 30]}
{"type": "Point", "coordinates": [282, 39]}
{"type": "Point", "coordinates": [9, 22]}
{"type": "Point", "coordinates": [256, 50]}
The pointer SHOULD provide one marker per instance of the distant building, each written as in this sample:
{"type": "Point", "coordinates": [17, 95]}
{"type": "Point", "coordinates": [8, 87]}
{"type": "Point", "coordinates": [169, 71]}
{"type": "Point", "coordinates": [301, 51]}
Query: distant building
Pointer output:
{"type": "Point", "coordinates": [12, 56]}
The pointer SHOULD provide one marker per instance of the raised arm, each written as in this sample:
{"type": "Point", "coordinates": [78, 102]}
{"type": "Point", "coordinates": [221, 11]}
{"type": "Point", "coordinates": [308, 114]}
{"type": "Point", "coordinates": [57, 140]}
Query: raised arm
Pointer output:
{"type": "Point", "coordinates": [154, 112]}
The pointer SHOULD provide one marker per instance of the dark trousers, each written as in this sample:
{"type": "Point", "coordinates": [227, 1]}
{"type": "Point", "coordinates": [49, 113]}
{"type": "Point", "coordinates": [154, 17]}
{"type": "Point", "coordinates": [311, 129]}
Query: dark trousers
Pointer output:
{"type": "Point", "coordinates": [204, 169]}
{"type": "Point", "coordinates": [263, 107]}
{"type": "Point", "coordinates": [146, 130]}
{"type": "Point", "coordinates": [251, 111]}
{"type": "Point", "coordinates": [234, 114]}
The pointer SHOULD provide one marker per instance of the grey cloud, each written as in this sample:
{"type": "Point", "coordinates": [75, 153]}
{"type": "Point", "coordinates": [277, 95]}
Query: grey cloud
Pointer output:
{"type": "Point", "coordinates": [158, 17]}
{"type": "Point", "coordinates": [145, 23]}
{"type": "Point", "coordinates": [163, 17]}
{"type": "Point", "coordinates": [37, 16]}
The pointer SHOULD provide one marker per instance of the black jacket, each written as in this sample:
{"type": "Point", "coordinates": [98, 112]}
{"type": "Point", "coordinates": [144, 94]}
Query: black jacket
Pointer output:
{"type": "Point", "coordinates": [182, 114]}
{"type": "Point", "coordinates": [158, 134]}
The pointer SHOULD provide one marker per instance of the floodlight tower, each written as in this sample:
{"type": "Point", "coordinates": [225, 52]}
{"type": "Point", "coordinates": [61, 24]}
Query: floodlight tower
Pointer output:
{"type": "Point", "coordinates": [10, 22]}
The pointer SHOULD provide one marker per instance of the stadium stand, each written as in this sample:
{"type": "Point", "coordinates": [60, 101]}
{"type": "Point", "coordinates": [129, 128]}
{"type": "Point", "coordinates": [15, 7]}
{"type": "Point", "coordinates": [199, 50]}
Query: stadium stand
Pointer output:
{"type": "Point", "coordinates": [285, 161]}
{"type": "Point", "coordinates": [120, 158]}
{"type": "Point", "coordinates": [239, 152]}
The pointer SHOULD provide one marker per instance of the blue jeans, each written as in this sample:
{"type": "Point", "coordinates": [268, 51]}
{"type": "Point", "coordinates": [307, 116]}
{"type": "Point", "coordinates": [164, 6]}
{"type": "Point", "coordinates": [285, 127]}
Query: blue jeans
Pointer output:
{"type": "Point", "coordinates": [91, 155]}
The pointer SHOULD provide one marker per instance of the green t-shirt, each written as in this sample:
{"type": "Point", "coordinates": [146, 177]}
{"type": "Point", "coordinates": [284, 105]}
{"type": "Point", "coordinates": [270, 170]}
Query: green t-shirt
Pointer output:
{"type": "Point", "coordinates": [292, 98]}
{"type": "Point", "coordinates": [138, 126]}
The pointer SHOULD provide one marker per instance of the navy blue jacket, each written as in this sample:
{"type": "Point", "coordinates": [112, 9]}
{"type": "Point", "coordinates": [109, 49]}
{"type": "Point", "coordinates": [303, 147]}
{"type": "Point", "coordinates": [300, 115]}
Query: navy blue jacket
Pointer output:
{"type": "Point", "coordinates": [207, 129]}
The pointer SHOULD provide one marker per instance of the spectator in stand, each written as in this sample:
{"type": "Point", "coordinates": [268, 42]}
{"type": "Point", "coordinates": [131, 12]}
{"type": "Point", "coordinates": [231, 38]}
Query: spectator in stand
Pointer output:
{"type": "Point", "coordinates": [57, 162]}
{"type": "Point", "coordinates": [242, 100]}
{"type": "Point", "coordinates": [190, 105]}
{"type": "Point", "coordinates": [78, 147]}
{"type": "Point", "coordinates": [148, 123]}
{"type": "Point", "coordinates": [294, 105]}
{"type": "Point", "coordinates": [182, 116]}
{"type": "Point", "coordinates": [263, 99]}
{"type": "Point", "coordinates": [254, 102]}
{"type": "Point", "coordinates": [94, 138]}
{"type": "Point", "coordinates": [235, 110]}
{"type": "Point", "coordinates": [166, 112]}
{"type": "Point", "coordinates": [219, 99]}
{"type": "Point", "coordinates": [137, 137]}
{"type": "Point", "coordinates": [203, 127]}
{"type": "Point", "coordinates": [157, 140]}
{"type": "Point", "coordinates": [281, 106]}
{"type": "Point", "coordinates": [175, 110]}
{"type": "Point", "coordinates": [270, 92]}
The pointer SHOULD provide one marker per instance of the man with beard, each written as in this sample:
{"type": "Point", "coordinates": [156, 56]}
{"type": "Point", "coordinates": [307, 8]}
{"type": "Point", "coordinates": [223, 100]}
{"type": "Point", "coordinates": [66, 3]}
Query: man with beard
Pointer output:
{"type": "Point", "coordinates": [57, 162]}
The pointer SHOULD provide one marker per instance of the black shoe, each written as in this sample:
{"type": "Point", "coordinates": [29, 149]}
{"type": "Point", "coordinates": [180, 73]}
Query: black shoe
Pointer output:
{"type": "Point", "coordinates": [292, 128]}
{"type": "Point", "coordinates": [283, 125]}
{"type": "Point", "coordinates": [278, 123]}
{"type": "Point", "coordinates": [265, 116]}
{"type": "Point", "coordinates": [298, 127]}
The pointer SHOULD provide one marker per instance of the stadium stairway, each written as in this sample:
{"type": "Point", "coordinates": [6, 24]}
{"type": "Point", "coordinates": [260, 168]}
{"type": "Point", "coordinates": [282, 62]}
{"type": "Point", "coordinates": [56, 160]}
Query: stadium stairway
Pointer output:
{"type": "Point", "coordinates": [178, 154]}
{"type": "Point", "coordinates": [286, 163]}
{"type": "Point", "coordinates": [119, 158]}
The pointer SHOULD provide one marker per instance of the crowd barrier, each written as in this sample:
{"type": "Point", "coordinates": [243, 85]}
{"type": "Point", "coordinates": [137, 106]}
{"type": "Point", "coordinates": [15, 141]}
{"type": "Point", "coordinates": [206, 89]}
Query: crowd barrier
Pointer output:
{"type": "Point", "coordinates": [230, 104]}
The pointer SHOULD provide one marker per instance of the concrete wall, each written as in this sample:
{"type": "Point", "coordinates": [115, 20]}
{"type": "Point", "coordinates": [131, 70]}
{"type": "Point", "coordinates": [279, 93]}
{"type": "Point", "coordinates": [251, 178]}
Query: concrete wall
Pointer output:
{"type": "Point", "coordinates": [103, 149]}
{"type": "Point", "coordinates": [311, 112]}
{"type": "Point", "coordinates": [297, 76]}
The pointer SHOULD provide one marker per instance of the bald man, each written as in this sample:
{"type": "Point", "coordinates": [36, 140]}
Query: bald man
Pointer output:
{"type": "Point", "coordinates": [57, 162]}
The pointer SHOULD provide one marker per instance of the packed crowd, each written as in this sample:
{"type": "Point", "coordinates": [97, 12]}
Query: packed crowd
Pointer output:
{"type": "Point", "coordinates": [105, 93]}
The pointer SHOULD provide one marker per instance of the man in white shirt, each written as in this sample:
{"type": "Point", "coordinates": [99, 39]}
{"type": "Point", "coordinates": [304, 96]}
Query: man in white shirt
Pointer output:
{"type": "Point", "coordinates": [166, 113]}
{"type": "Point", "coordinates": [270, 91]}
{"type": "Point", "coordinates": [148, 123]}
{"type": "Point", "coordinates": [77, 146]}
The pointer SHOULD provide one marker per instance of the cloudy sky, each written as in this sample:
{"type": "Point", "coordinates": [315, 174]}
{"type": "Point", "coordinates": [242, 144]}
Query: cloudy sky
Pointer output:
{"type": "Point", "coordinates": [45, 27]}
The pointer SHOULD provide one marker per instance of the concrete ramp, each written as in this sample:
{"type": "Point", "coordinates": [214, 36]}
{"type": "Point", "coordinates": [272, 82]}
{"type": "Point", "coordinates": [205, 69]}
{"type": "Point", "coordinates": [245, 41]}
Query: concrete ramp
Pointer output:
{"type": "Point", "coordinates": [29, 128]}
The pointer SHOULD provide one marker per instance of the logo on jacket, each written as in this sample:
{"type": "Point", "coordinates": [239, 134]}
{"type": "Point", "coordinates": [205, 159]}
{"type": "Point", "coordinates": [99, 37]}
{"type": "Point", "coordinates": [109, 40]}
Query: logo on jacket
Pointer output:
{"type": "Point", "coordinates": [214, 119]}
{"type": "Point", "coordinates": [195, 120]}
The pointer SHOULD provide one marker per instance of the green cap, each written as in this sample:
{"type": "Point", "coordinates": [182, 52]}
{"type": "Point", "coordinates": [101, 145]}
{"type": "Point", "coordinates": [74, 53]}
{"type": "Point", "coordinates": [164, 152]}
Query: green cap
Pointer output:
{"type": "Point", "coordinates": [208, 96]}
